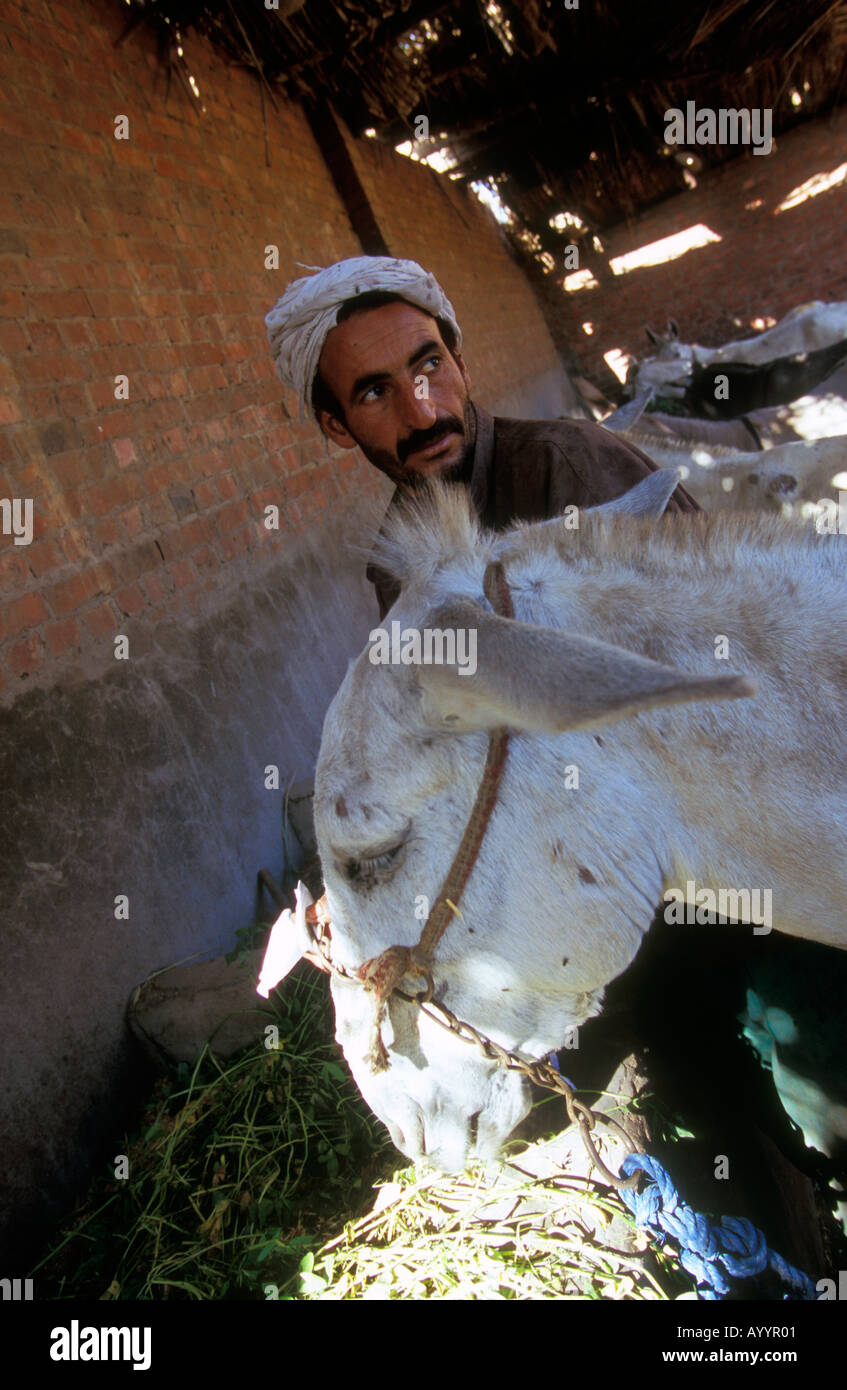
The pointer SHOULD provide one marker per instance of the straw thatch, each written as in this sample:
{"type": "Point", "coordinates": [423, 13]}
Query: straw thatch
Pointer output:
{"type": "Point", "coordinates": [561, 109]}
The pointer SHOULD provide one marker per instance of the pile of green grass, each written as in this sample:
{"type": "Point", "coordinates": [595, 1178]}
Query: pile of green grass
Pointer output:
{"type": "Point", "coordinates": [438, 1237]}
{"type": "Point", "coordinates": [242, 1174]}
{"type": "Point", "coordinates": [237, 1170]}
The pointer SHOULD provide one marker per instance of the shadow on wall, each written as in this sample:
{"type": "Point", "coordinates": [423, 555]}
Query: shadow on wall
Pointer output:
{"type": "Point", "coordinates": [148, 783]}
{"type": "Point", "coordinates": [544, 396]}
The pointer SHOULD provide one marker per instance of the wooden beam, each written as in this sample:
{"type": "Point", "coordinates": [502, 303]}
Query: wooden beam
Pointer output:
{"type": "Point", "coordinates": [331, 143]}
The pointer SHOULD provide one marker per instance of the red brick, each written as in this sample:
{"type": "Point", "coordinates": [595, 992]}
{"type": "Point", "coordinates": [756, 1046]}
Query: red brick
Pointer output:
{"type": "Point", "coordinates": [228, 518]}
{"type": "Point", "coordinates": [130, 600]}
{"type": "Point", "coordinates": [45, 337]}
{"type": "Point", "coordinates": [12, 304]}
{"type": "Point", "coordinates": [159, 510]}
{"type": "Point", "coordinates": [125, 452]}
{"type": "Point", "coordinates": [21, 613]}
{"type": "Point", "coordinates": [133, 330]}
{"type": "Point", "coordinates": [10, 457]}
{"type": "Point", "coordinates": [40, 403]}
{"type": "Point", "coordinates": [236, 542]}
{"type": "Point", "coordinates": [209, 463]}
{"type": "Point", "coordinates": [200, 531]}
{"type": "Point", "coordinates": [12, 339]}
{"type": "Point", "coordinates": [62, 635]}
{"type": "Point", "coordinates": [133, 158]}
{"type": "Point", "coordinates": [104, 498]}
{"type": "Point", "coordinates": [129, 564]}
{"type": "Point", "coordinates": [182, 573]}
{"type": "Point", "coordinates": [73, 552]}
{"type": "Point", "coordinates": [14, 570]}
{"type": "Point", "coordinates": [205, 494]}
{"type": "Point", "coordinates": [107, 304]}
{"type": "Point", "coordinates": [76, 334]}
{"type": "Point", "coordinates": [101, 621]}
{"type": "Point", "coordinates": [227, 486]}
{"type": "Point", "coordinates": [110, 362]}
{"type": "Point", "coordinates": [177, 384]}
{"type": "Point", "coordinates": [70, 594]}
{"type": "Point", "coordinates": [159, 477]}
{"type": "Point", "coordinates": [59, 304]}
{"type": "Point", "coordinates": [297, 485]}
{"type": "Point", "coordinates": [152, 586]}
{"type": "Point", "coordinates": [206, 559]}
{"type": "Point", "coordinates": [60, 439]}
{"type": "Point", "coordinates": [73, 401]}
{"type": "Point", "coordinates": [102, 392]}
{"type": "Point", "coordinates": [106, 530]}
{"type": "Point", "coordinates": [54, 367]}
{"type": "Point", "coordinates": [43, 556]}
{"type": "Point", "coordinates": [131, 521]}
{"type": "Point", "coordinates": [10, 411]}
{"type": "Point", "coordinates": [25, 658]}
{"type": "Point", "coordinates": [105, 331]}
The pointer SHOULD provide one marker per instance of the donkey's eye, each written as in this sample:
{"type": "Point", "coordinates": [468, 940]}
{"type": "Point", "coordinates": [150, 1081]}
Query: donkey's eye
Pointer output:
{"type": "Point", "coordinates": [367, 871]}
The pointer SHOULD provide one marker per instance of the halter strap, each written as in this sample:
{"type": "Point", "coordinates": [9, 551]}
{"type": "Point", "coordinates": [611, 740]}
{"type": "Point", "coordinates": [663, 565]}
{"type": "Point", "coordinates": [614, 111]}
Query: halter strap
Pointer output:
{"type": "Point", "coordinates": [382, 974]}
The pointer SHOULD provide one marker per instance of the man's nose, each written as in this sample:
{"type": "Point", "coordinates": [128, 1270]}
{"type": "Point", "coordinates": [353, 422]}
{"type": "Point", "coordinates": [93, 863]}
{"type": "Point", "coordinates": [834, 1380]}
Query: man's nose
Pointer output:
{"type": "Point", "coordinates": [419, 412]}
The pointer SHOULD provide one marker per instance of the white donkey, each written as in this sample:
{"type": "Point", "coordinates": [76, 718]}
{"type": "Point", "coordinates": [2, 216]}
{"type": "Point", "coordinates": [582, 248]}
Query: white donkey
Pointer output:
{"type": "Point", "coordinates": [633, 774]}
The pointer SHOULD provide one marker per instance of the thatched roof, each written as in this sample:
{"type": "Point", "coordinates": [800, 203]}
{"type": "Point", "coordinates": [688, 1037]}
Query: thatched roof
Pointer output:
{"type": "Point", "coordinates": [562, 110]}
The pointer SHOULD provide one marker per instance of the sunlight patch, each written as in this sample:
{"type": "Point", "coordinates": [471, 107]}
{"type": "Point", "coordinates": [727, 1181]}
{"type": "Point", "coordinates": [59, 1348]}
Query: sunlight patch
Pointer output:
{"type": "Point", "coordinates": [619, 362]}
{"type": "Point", "coordinates": [818, 183]}
{"type": "Point", "coordinates": [667, 248]}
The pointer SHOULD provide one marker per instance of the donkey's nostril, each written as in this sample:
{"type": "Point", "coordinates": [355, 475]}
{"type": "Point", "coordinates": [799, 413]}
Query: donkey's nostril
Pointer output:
{"type": "Point", "coordinates": [474, 1127]}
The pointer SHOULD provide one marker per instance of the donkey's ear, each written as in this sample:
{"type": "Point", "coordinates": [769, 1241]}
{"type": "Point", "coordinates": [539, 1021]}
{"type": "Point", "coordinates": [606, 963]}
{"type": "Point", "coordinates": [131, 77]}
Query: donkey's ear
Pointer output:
{"type": "Point", "coordinates": [627, 415]}
{"type": "Point", "coordinates": [673, 330]}
{"type": "Point", "coordinates": [540, 680]}
{"type": "Point", "coordinates": [650, 497]}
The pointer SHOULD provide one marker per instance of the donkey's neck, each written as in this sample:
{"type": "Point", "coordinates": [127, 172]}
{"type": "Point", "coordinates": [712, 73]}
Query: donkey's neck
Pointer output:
{"type": "Point", "coordinates": [750, 792]}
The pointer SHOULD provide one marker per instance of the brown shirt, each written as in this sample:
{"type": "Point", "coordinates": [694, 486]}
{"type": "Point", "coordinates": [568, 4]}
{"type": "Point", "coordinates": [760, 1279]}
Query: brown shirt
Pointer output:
{"type": "Point", "coordinates": [530, 470]}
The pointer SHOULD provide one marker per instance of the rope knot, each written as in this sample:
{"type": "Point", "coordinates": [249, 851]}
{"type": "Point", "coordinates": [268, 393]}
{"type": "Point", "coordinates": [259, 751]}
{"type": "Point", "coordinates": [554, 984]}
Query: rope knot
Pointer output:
{"type": "Point", "coordinates": [380, 976]}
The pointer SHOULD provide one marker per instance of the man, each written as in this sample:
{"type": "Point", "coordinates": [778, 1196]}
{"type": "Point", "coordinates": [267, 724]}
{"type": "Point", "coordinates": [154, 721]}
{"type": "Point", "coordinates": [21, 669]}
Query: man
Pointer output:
{"type": "Point", "coordinates": [372, 347]}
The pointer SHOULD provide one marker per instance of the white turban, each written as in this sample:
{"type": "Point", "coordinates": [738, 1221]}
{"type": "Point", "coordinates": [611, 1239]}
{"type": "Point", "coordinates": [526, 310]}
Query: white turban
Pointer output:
{"type": "Point", "coordinates": [300, 321]}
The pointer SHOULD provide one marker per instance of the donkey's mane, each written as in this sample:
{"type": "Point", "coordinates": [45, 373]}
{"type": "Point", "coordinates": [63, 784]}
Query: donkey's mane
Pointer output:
{"type": "Point", "coordinates": [646, 438]}
{"type": "Point", "coordinates": [436, 527]}
{"type": "Point", "coordinates": [427, 529]}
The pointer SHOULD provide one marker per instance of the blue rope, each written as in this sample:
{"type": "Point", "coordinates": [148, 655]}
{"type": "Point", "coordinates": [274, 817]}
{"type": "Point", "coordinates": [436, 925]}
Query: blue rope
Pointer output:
{"type": "Point", "coordinates": [735, 1243]}
{"type": "Point", "coordinates": [709, 1252]}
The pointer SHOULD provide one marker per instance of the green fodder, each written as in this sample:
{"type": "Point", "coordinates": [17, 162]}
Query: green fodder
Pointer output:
{"type": "Point", "coordinates": [237, 1169]}
{"type": "Point", "coordinates": [471, 1238]}
{"type": "Point", "coordinates": [242, 1174]}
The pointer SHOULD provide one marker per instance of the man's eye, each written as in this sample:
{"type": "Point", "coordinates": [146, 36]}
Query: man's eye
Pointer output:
{"type": "Point", "coordinates": [373, 394]}
{"type": "Point", "coordinates": [435, 358]}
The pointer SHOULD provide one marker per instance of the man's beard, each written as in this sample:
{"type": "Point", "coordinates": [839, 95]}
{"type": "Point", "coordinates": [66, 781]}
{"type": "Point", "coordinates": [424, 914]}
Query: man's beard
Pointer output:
{"type": "Point", "coordinates": [457, 472]}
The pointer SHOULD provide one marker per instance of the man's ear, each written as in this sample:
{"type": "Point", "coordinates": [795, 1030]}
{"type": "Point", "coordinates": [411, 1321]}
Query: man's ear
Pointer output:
{"type": "Point", "coordinates": [335, 430]}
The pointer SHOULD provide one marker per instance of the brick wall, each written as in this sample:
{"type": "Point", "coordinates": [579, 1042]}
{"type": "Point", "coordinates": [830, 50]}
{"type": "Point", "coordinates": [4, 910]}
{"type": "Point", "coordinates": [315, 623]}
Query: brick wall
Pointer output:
{"type": "Point", "coordinates": [147, 777]}
{"type": "Point", "coordinates": [764, 264]}
{"type": "Point", "coordinates": [145, 257]}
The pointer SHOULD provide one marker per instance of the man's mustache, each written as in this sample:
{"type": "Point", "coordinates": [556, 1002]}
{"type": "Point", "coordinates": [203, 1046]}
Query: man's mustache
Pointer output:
{"type": "Point", "coordinates": [421, 438]}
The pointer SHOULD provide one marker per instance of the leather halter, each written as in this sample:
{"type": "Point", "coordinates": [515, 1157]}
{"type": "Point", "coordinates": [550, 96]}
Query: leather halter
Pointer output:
{"type": "Point", "coordinates": [382, 974]}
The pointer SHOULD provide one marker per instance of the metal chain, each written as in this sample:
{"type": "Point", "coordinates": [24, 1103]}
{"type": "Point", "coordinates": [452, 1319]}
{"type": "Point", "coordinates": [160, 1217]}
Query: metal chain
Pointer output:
{"type": "Point", "coordinates": [539, 1071]}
